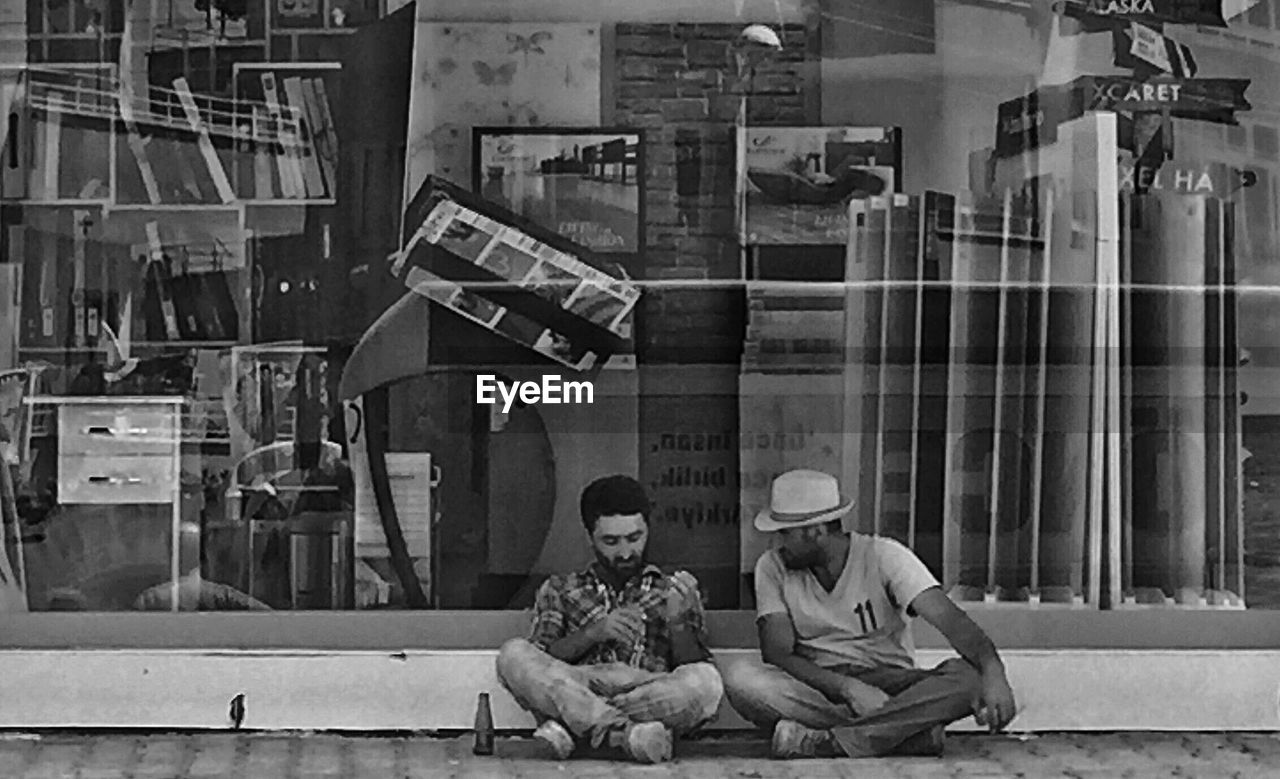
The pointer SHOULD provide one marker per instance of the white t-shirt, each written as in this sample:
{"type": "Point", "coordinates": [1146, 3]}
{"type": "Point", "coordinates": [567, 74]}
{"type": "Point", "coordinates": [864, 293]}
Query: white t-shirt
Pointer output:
{"type": "Point", "coordinates": [863, 621]}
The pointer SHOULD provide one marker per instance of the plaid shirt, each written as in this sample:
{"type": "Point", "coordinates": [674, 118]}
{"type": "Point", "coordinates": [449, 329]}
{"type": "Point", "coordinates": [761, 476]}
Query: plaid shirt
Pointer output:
{"type": "Point", "coordinates": [567, 603]}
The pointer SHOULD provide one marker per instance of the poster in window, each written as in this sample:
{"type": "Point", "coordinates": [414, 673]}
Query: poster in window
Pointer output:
{"type": "Point", "coordinates": [586, 185]}
{"type": "Point", "coordinates": [308, 14]}
{"type": "Point", "coordinates": [795, 183]}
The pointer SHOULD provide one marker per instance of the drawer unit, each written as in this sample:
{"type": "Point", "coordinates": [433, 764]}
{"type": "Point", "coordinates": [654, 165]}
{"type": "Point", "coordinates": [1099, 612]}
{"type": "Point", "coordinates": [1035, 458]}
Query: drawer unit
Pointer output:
{"type": "Point", "coordinates": [123, 451]}
{"type": "Point", "coordinates": [117, 480]}
{"type": "Point", "coordinates": [119, 450]}
{"type": "Point", "coordinates": [116, 430]}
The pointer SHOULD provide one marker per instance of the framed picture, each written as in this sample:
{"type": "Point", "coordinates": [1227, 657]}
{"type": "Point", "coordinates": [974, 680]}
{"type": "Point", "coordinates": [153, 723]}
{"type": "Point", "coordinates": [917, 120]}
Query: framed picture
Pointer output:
{"type": "Point", "coordinates": [514, 277]}
{"type": "Point", "coordinates": [795, 183]}
{"type": "Point", "coordinates": [587, 185]}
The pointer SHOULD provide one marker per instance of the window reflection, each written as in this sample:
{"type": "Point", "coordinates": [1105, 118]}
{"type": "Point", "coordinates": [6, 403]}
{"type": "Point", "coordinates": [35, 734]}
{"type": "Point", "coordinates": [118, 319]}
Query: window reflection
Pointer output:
{"type": "Point", "coordinates": [238, 369]}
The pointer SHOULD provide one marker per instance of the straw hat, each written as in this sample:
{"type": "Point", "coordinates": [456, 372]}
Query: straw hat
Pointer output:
{"type": "Point", "coordinates": [801, 498]}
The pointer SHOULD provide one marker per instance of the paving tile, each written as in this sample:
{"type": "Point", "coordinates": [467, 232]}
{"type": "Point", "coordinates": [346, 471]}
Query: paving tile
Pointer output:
{"type": "Point", "coordinates": [109, 758]}
{"type": "Point", "coordinates": [820, 769]}
{"type": "Point", "coordinates": [15, 754]}
{"type": "Point", "coordinates": [55, 761]}
{"type": "Point", "coordinates": [324, 756]}
{"type": "Point", "coordinates": [215, 756]}
{"type": "Point", "coordinates": [693, 769]}
{"type": "Point", "coordinates": [372, 757]}
{"type": "Point", "coordinates": [939, 770]}
{"type": "Point", "coordinates": [319, 756]}
{"type": "Point", "coordinates": [268, 758]}
{"type": "Point", "coordinates": [163, 757]}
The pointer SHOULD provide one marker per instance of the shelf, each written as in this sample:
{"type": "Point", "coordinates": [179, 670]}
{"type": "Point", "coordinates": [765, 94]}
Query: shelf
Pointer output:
{"type": "Point", "coordinates": [324, 201]}
{"type": "Point", "coordinates": [234, 205]}
{"type": "Point", "coordinates": [59, 203]}
{"type": "Point", "coordinates": [106, 400]}
{"type": "Point", "coordinates": [136, 345]}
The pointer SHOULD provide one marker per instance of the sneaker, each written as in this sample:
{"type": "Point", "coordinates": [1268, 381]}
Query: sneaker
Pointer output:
{"type": "Point", "coordinates": [648, 742]}
{"type": "Point", "coordinates": [557, 738]}
{"type": "Point", "coordinates": [791, 740]}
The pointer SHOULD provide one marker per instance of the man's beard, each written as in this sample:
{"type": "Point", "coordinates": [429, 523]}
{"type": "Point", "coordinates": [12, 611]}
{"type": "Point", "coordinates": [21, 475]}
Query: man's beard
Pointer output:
{"type": "Point", "coordinates": [624, 570]}
{"type": "Point", "coordinates": [810, 558]}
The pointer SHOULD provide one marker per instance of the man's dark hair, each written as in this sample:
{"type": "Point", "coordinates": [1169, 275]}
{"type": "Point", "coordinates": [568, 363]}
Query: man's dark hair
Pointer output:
{"type": "Point", "coordinates": [612, 495]}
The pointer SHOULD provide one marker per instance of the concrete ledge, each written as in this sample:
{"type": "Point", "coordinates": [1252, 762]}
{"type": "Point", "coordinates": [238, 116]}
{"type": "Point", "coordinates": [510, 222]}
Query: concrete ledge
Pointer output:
{"type": "Point", "coordinates": [1010, 628]}
{"type": "Point", "coordinates": [1073, 690]}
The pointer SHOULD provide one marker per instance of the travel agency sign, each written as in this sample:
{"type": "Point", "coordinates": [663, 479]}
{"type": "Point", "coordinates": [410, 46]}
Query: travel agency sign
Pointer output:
{"type": "Point", "coordinates": [1028, 122]}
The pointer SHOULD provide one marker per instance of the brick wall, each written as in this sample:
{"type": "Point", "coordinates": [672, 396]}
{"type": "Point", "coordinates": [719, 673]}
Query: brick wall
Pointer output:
{"type": "Point", "coordinates": [680, 83]}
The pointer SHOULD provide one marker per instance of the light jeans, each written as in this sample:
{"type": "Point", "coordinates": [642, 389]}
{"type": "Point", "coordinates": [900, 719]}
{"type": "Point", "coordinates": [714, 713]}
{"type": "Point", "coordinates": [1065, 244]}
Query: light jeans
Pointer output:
{"type": "Point", "coordinates": [591, 700]}
{"type": "Point", "coordinates": [919, 699]}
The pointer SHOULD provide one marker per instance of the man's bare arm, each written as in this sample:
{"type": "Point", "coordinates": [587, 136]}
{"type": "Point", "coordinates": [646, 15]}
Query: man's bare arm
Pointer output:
{"type": "Point", "coordinates": [995, 706]}
{"type": "Point", "coordinates": [963, 633]}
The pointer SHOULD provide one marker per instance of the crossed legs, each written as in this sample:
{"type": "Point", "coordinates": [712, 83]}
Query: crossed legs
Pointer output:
{"type": "Point", "coordinates": [919, 701]}
{"type": "Point", "coordinates": [592, 700]}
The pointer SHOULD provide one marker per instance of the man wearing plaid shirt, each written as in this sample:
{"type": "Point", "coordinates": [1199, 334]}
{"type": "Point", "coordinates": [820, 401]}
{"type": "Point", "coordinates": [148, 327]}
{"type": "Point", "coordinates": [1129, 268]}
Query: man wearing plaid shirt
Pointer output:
{"type": "Point", "coordinates": [617, 655]}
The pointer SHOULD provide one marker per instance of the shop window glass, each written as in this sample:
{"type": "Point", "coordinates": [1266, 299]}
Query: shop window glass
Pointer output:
{"type": "Point", "coordinates": [35, 16]}
{"type": "Point", "coordinates": [253, 293]}
{"type": "Point", "coordinates": [57, 16]}
{"type": "Point", "coordinates": [1266, 142]}
{"type": "Point", "coordinates": [1260, 15]}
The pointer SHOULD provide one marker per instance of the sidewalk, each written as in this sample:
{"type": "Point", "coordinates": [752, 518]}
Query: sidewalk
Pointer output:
{"type": "Point", "coordinates": [304, 756]}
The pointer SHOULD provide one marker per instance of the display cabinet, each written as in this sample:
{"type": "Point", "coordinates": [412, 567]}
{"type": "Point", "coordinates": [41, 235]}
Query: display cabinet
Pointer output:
{"type": "Point", "coordinates": [141, 229]}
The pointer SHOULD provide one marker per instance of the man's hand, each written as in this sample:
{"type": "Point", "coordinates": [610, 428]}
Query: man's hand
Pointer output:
{"type": "Point", "coordinates": [625, 626]}
{"type": "Point", "coordinates": [863, 698]}
{"type": "Point", "coordinates": [682, 596]}
{"type": "Point", "coordinates": [995, 708]}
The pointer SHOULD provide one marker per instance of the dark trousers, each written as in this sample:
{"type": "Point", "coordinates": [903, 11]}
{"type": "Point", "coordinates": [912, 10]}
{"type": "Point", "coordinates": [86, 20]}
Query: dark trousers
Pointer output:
{"type": "Point", "coordinates": [919, 699]}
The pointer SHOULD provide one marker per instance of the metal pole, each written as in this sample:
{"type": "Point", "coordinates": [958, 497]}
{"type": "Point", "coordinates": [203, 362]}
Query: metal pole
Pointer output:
{"type": "Point", "coordinates": [1038, 436]}
{"type": "Point", "coordinates": [1125, 573]}
{"type": "Point", "coordinates": [917, 370]}
{"type": "Point", "coordinates": [997, 433]}
{"type": "Point", "coordinates": [961, 266]}
{"type": "Point", "coordinates": [884, 294]}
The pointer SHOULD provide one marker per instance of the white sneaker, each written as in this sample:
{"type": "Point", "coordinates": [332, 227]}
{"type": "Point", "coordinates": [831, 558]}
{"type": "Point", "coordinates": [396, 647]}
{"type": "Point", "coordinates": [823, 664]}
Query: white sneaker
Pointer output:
{"type": "Point", "coordinates": [649, 742]}
{"type": "Point", "coordinates": [557, 738]}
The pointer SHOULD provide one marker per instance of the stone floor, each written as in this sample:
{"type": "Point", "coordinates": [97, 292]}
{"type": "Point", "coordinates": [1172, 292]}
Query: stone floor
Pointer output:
{"type": "Point", "coordinates": [97, 755]}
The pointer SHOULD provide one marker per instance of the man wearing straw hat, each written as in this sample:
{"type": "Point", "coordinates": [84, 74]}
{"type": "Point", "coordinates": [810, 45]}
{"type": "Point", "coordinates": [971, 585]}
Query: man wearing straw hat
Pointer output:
{"type": "Point", "coordinates": [838, 675]}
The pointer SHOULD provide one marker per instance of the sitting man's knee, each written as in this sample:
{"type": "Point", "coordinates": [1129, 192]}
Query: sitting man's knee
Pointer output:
{"type": "Point", "coordinates": [704, 680]}
{"type": "Point", "coordinates": [742, 677]}
{"type": "Point", "coordinates": [512, 652]}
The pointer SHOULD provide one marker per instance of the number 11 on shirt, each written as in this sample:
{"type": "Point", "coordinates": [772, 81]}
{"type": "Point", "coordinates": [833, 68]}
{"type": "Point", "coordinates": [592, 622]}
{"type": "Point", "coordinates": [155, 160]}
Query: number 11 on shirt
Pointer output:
{"type": "Point", "coordinates": [866, 614]}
